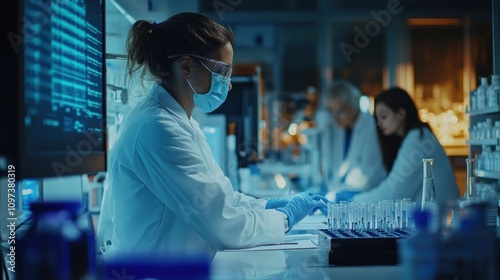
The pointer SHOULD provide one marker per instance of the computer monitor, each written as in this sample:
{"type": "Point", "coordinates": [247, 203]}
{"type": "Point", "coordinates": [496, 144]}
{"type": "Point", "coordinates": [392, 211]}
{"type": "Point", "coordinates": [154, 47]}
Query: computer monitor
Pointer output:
{"type": "Point", "coordinates": [243, 107]}
{"type": "Point", "coordinates": [214, 128]}
{"type": "Point", "coordinates": [52, 105]}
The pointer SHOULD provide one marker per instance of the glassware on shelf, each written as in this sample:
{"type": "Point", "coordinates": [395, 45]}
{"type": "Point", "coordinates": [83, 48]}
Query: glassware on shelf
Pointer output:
{"type": "Point", "coordinates": [488, 159]}
{"type": "Point", "coordinates": [493, 91]}
{"type": "Point", "coordinates": [480, 131]}
{"type": "Point", "coordinates": [471, 191]}
{"type": "Point", "coordinates": [481, 158]}
{"type": "Point", "coordinates": [488, 128]}
{"type": "Point", "coordinates": [481, 93]}
{"type": "Point", "coordinates": [496, 159]}
{"type": "Point", "coordinates": [496, 130]}
{"type": "Point", "coordinates": [473, 100]}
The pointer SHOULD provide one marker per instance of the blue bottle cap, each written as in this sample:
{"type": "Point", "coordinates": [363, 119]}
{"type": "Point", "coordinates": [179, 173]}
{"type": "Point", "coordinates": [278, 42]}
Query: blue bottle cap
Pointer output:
{"type": "Point", "coordinates": [467, 224]}
{"type": "Point", "coordinates": [421, 218]}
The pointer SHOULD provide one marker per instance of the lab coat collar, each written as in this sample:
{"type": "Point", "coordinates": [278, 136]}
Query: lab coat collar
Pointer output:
{"type": "Point", "coordinates": [362, 119]}
{"type": "Point", "coordinates": [161, 95]}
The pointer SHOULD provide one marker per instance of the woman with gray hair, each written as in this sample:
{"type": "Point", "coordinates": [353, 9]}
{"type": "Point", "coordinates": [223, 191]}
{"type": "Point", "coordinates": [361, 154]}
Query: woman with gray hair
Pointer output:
{"type": "Point", "coordinates": [351, 156]}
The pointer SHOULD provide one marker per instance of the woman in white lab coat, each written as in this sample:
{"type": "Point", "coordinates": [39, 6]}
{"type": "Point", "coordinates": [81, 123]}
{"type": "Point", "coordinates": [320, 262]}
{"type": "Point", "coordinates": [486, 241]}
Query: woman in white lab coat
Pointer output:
{"type": "Point", "coordinates": [166, 193]}
{"type": "Point", "coordinates": [406, 140]}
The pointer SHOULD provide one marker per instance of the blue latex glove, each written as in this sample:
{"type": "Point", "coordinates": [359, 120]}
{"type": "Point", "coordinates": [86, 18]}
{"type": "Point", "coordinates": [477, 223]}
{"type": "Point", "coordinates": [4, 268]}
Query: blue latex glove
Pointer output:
{"type": "Point", "coordinates": [322, 209]}
{"type": "Point", "coordinates": [274, 203]}
{"type": "Point", "coordinates": [301, 205]}
{"type": "Point", "coordinates": [345, 196]}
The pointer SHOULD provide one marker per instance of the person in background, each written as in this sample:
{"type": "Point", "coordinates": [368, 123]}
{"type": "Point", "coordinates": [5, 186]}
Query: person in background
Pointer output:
{"type": "Point", "coordinates": [351, 156]}
{"type": "Point", "coordinates": [166, 193]}
{"type": "Point", "coordinates": [406, 140]}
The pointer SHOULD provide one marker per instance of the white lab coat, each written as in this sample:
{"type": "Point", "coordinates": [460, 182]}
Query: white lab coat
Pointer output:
{"type": "Point", "coordinates": [363, 166]}
{"type": "Point", "coordinates": [406, 176]}
{"type": "Point", "coordinates": [167, 194]}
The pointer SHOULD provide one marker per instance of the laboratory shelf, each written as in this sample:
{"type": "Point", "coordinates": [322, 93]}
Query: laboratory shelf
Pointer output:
{"type": "Point", "coordinates": [486, 174]}
{"type": "Point", "coordinates": [490, 110]}
{"type": "Point", "coordinates": [487, 142]}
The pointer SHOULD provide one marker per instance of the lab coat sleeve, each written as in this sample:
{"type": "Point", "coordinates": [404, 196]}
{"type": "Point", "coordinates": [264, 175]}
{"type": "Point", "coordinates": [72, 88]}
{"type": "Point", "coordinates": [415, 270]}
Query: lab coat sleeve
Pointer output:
{"type": "Point", "coordinates": [406, 175]}
{"type": "Point", "coordinates": [105, 224]}
{"type": "Point", "coordinates": [170, 162]}
{"type": "Point", "coordinates": [247, 201]}
{"type": "Point", "coordinates": [239, 199]}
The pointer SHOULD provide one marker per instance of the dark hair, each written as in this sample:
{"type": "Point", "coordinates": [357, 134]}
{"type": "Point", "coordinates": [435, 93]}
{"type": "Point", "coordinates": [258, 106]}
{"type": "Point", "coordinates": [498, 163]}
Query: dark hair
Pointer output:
{"type": "Point", "coordinates": [395, 99]}
{"type": "Point", "coordinates": [150, 44]}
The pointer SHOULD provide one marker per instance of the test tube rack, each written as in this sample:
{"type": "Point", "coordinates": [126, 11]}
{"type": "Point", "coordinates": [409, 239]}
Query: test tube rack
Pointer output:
{"type": "Point", "coordinates": [359, 247]}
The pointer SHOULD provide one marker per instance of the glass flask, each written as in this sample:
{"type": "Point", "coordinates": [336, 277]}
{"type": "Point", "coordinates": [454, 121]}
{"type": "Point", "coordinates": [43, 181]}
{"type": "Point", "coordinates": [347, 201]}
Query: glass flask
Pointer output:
{"type": "Point", "coordinates": [428, 188]}
{"type": "Point", "coordinates": [429, 202]}
{"type": "Point", "coordinates": [471, 191]}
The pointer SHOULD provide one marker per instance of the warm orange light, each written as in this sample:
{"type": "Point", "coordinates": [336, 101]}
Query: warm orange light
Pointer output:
{"type": "Point", "coordinates": [405, 77]}
{"type": "Point", "coordinates": [434, 21]}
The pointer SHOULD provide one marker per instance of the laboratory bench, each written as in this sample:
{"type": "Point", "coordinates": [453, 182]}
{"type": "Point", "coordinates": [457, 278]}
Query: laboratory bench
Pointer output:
{"type": "Point", "coordinates": [291, 264]}
{"type": "Point", "coordinates": [306, 262]}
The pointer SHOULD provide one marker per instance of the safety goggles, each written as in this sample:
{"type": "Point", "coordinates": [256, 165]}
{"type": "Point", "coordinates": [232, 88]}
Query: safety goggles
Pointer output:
{"type": "Point", "coordinates": [212, 65]}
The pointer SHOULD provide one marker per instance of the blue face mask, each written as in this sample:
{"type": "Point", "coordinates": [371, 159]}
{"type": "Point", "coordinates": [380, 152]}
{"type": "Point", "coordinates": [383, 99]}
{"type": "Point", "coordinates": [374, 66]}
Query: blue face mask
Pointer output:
{"type": "Point", "coordinates": [212, 100]}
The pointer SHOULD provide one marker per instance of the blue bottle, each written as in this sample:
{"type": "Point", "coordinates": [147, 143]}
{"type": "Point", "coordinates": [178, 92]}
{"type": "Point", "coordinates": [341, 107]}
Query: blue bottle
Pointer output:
{"type": "Point", "coordinates": [468, 253]}
{"type": "Point", "coordinates": [55, 246]}
{"type": "Point", "coordinates": [481, 244]}
{"type": "Point", "coordinates": [418, 253]}
{"type": "Point", "coordinates": [455, 256]}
